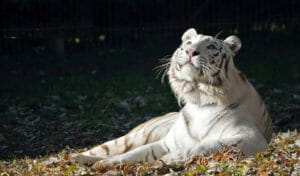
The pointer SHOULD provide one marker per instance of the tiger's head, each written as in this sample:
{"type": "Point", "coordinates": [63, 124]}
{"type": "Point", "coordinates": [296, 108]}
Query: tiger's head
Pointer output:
{"type": "Point", "coordinates": [202, 66]}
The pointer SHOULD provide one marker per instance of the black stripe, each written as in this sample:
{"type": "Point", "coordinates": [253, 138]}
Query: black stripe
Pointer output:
{"type": "Point", "coordinates": [233, 106]}
{"type": "Point", "coordinates": [211, 127]}
{"type": "Point", "coordinates": [223, 57]}
{"type": "Point", "coordinates": [147, 159]}
{"type": "Point", "coordinates": [264, 112]}
{"type": "Point", "coordinates": [220, 66]}
{"type": "Point", "coordinates": [151, 122]}
{"type": "Point", "coordinates": [268, 122]}
{"type": "Point", "coordinates": [105, 148]}
{"type": "Point", "coordinates": [268, 131]}
{"type": "Point", "coordinates": [153, 154]}
{"type": "Point", "coordinates": [127, 147]}
{"type": "Point", "coordinates": [219, 117]}
{"type": "Point", "coordinates": [149, 134]}
{"type": "Point", "coordinates": [139, 127]}
{"type": "Point", "coordinates": [220, 49]}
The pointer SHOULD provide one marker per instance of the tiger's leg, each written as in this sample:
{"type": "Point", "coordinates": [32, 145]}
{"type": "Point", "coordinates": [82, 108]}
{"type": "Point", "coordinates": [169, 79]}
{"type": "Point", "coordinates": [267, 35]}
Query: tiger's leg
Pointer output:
{"type": "Point", "coordinates": [249, 144]}
{"type": "Point", "coordinates": [146, 153]}
{"type": "Point", "coordinates": [148, 132]}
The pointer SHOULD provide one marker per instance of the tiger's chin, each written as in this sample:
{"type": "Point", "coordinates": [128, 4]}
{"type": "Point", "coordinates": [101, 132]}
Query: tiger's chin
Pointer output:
{"type": "Point", "coordinates": [190, 73]}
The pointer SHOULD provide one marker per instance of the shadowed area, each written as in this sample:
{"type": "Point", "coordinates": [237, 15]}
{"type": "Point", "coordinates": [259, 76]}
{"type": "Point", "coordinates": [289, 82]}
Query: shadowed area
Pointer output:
{"type": "Point", "coordinates": [48, 104]}
{"type": "Point", "coordinates": [75, 74]}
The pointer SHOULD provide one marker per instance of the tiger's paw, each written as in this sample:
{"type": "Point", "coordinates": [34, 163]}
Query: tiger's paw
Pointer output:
{"type": "Point", "coordinates": [84, 159]}
{"type": "Point", "coordinates": [172, 159]}
{"type": "Point", "coordinates": [105, 163]}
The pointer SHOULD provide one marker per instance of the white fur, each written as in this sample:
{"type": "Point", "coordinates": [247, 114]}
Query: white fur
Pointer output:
{"type": "Point", "coordinates": [221, 110]}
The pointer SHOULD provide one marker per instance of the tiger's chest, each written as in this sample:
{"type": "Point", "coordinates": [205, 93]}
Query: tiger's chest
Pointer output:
{"type": "Point", "coordinates": [197, 124]}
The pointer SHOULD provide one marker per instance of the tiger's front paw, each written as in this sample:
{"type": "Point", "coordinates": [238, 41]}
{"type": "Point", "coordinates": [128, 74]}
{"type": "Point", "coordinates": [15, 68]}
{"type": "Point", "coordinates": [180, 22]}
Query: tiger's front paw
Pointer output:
{"type": "Point", "coordinates": [84, 159]}
{"type": "Point", "coordinates": [172, 159]}
{"type": "Point", "coordinates": [106, 163]}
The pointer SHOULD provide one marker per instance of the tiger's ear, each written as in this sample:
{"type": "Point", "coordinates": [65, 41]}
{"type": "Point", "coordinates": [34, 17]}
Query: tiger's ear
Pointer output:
{"type": "Point", "coordinates": [189, 34]}
{"type": "Point", "coordinates": [234, 43]}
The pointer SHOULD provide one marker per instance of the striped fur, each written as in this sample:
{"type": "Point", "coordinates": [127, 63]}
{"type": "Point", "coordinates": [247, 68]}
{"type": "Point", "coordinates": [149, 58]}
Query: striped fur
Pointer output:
{"type": "Point", "coordinates": [220, 108]}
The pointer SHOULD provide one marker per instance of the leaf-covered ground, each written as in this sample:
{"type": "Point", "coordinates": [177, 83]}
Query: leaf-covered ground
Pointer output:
{"type": "Point", "coordinates": [51, 107]}
{"type": "Point", "coordinates": [282, 158]}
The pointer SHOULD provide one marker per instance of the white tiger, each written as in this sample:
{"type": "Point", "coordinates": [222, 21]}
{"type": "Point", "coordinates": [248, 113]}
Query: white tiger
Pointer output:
{"type": "Point", "coordinates": [221, 108]}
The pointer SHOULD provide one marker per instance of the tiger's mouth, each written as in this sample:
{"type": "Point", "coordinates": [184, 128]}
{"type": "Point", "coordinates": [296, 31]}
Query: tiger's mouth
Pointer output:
{"type": "Point", "coordinates": [189, 63]}
{"type": "Point", "coordinates": [192, 65]}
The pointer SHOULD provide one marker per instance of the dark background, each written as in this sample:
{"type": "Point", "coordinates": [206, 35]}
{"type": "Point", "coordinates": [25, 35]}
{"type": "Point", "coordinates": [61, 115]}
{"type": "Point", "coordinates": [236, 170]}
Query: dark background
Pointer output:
{"type": "Point", "coordinates": [76, 73]}
{"type": "Point", "coordinates": [28, 24]}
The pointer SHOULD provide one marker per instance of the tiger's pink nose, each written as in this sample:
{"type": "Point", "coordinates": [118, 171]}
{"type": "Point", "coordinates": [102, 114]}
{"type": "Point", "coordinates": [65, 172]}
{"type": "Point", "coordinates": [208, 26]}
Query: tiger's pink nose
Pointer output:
{"type": "Point", "coordinates": [192, 52]}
